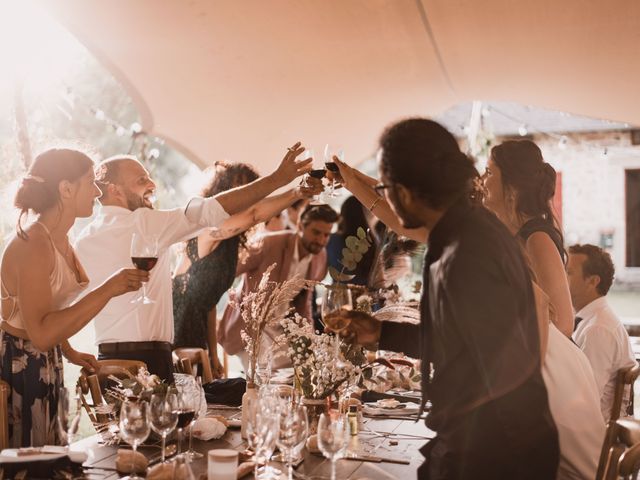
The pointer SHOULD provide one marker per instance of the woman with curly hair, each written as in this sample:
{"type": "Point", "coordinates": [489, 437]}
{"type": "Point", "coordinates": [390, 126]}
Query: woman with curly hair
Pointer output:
{"type": "Point", "coordinates": [207, 267]}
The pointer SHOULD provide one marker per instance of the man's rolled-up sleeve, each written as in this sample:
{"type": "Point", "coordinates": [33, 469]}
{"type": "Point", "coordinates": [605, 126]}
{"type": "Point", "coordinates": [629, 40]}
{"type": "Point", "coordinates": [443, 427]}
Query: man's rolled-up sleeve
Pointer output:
{"type": "Point", "coordinates": [206, 212]}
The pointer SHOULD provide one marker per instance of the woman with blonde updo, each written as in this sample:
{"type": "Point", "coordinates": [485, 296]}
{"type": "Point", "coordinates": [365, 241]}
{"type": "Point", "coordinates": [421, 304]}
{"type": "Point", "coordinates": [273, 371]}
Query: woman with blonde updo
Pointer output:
{"type": "Point", "coordinates": [39, 278]}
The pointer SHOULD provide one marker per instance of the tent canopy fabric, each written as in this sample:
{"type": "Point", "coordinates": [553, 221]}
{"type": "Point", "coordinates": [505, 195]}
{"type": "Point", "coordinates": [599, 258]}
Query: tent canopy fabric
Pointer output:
{"type": "Point", "coordinates": [243, 79]}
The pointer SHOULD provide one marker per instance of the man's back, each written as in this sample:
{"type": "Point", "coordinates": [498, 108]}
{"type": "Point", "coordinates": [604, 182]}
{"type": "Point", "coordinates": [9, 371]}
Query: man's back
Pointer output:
{"type": "Point", "coordinates": [482, 313]}
{"type": "Point", "coordinates": [605, 342]}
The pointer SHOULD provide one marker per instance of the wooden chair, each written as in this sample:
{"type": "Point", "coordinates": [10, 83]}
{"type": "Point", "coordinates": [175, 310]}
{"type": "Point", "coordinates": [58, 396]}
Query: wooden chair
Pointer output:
{"type": "Point", "coordinates": [188, 358]}
{"type": "Point", "coordinates": [95, 384]}
{"type": "Point", "coordinates": [626, 376]}
{"type": "Point", "coordinates": [623, 457]}
{"type": "Point", "coordinates": [4, 415]}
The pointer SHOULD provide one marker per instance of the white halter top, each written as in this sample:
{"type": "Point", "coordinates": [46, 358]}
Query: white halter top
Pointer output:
{"type": "Point", "coordinates": [65, 287]}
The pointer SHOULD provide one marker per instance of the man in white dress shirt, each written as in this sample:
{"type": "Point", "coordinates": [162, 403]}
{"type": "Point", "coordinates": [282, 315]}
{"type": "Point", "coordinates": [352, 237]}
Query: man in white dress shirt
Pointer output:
{"type": "Point", "coordinates": [599, 333]}
{"type": "Point", "coordinates": [137, 331]}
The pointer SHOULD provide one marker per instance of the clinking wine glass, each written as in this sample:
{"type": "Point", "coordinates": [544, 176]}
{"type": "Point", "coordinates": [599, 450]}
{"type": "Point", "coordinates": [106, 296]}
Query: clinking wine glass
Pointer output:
{"type": "Point", "coordinates": [333, 438]}
{"type": "Point", "coordinates": [330, 165]}
{"type": "Point", "coordinates": [318, 173]}
{"type": "Point", "coordinates": [134, 427]}
{"type": "Point", "coordinates": [336, 300]}
{"type": "Point", "coordinates": [163, 415]}
{"type": "Point", "coordinates": [144, 255]}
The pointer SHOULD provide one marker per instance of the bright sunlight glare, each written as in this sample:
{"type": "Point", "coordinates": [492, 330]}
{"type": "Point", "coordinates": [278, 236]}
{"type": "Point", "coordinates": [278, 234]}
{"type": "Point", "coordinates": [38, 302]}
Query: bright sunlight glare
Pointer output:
{"type": "Point", "coordinates": [34, 48]}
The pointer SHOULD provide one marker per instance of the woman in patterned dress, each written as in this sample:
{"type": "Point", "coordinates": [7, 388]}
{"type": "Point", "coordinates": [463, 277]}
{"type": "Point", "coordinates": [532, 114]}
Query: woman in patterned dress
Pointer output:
{"type": "Point", "coordinates": [39, 277]}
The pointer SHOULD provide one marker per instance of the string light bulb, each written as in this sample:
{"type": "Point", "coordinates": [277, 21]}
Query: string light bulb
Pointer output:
{"type": "Point", "coordinates": [562, 143]}
{"type": "Point", "coordinates": [522, 130]}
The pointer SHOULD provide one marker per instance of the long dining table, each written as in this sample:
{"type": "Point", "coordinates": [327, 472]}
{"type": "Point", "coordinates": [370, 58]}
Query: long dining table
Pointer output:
{"type": "Point", "coordinates": [390, 445]}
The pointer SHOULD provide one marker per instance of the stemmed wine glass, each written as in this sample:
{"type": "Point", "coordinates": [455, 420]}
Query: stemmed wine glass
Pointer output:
{"type": "Point", "coordinates": [318, 173]}
{"type": "Point", "coordinates": [186, 413]}
{"type": "Point", "coordinates": [196, 396]}
{"type": "Point", "coordinates": [69, 411]}
{"type": "Point", "coordinates": [329, 153]}
{"type": "Point", "coordinates": [263, 368]}
{"type": "Point", "coordinates": [336, 298]}
{"type": "Point", "coordinates": [262, 432]}
{"type": "Point", "coordinates": [294, 429]}
{"type": "Point", "coordinates": [134, 427]}
{"type": "Point", "coordinates": [144, 255]}
{"type": "Point", "coordinates": [333, 438]}
{"type": "Point", "coordinates": [163, 415]}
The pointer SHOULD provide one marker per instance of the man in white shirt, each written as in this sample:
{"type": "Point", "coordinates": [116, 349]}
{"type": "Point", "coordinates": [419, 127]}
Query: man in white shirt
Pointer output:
{"type": "Point", "coordinates": [137, 331]}
{"type": "Point", "coordinates": [599, 333]}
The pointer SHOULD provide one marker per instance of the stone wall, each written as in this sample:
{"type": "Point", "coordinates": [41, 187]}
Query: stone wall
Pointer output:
{"type": "Point", "coordinates": [593, 189]}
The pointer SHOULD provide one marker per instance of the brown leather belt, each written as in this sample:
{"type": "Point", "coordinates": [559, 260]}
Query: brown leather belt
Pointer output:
{"type": "Point", "coordinates": [129, 347]}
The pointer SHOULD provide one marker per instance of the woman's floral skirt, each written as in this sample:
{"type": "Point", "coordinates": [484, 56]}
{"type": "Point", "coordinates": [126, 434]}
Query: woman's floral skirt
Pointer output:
{"type": "Point", "coordinates": [34, 379]}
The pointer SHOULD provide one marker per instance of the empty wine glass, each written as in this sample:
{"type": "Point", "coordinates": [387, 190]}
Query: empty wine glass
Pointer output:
{"type": "Point", "coordinates": [134, 427]}
{"type": "Point", "coordinates": [336, 299]}
{"type": "Point", "coordinates": [164, 418]}
{"type": "Point", "coordinates": [294, 429]}
{"type": "Point", "coordinates": [144, 255]}
{"type": "Point", "coordinates": [196, 395]}
{"type": "Point", "coordinates": [333, 438]}
{"type": "Point", "coordinates": [262, 432]}
{"type": "Point", "coordinates": [69, 412]}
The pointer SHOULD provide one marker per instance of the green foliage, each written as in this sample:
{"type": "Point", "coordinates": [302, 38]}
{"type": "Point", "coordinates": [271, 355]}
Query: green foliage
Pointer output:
{"type": "Point", "coordinates": [352, 253]}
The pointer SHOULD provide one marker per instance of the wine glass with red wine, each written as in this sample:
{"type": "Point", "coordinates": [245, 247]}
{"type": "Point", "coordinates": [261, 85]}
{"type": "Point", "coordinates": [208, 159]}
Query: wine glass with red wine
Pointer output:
{"type": "Point", "coordinates": [186, 413]}
{"type": "Point", "coordinates": [144, 255]}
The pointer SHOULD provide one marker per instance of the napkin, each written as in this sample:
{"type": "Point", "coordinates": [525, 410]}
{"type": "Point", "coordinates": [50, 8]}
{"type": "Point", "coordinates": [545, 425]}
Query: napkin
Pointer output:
{"type": "Point", "coordinates": [46, 453]}
{"type": "Point", "coordinates": [283, 376]}
{"type": "Point", "coordinates": [208, 428]}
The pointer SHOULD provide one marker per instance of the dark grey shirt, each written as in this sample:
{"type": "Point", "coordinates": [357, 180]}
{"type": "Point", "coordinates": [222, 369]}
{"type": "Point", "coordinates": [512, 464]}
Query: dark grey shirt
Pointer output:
{"type": "Point", "coordinates": [478, 320]}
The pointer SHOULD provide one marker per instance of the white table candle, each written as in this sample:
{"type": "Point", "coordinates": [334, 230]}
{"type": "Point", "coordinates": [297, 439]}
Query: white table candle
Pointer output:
{"type": "Point", "coordinates": [223, 464]}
